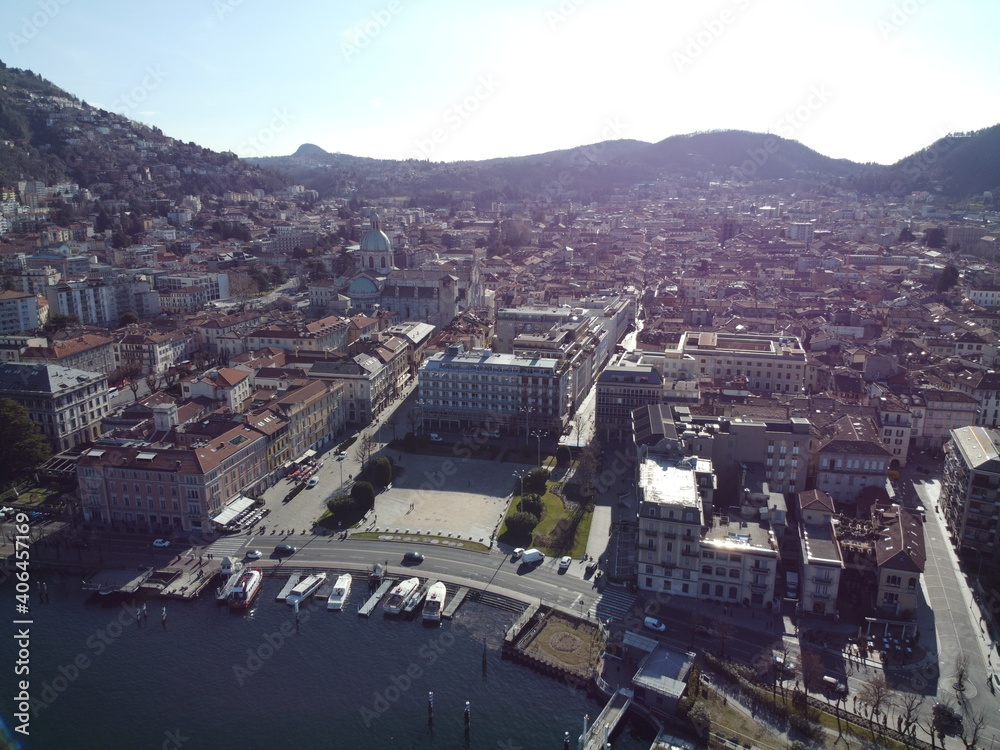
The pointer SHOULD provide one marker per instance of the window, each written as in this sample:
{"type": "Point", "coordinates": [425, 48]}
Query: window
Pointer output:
{"type": "Point", "coordinates": [718, 590]}
{"type": "Point", "coordinates": [706, 570]}
{"type": "Point", "coordinates": [734, 572]}
{"type": "Point", "coordinates": [733, 593]}
{"type": "Point", "coordinates": [705, 589]}
{"type": "Point", "coordinates": [893, 581]}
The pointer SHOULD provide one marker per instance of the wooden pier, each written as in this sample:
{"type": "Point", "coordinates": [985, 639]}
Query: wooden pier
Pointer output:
{"type": "Point", "coordinates": [293, 581]}
{"type": "Point", "coordinates": [367, 608]}
{"type": "Point", "coordinates": [454, 603]}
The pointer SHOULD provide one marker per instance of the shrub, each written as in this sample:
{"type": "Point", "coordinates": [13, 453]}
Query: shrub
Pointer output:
{"type": "Point", "coordinates": [563, 455]}
{"type": "Point", "coordinates": [532, 504]}
{"type": "Point", "coordinates": [522, 523]}
{"type": "Point", "coordinates": [343, 508]}
{"type": "Point", "coordinates": [364, 494]}
{"type": "Point", "coordinates": [379, 471]}
{"type": "Point", "coordinates": [536, 481]}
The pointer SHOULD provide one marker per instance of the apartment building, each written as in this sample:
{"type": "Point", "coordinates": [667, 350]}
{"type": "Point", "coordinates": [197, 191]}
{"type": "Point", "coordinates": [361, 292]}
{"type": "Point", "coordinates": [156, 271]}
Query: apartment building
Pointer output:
{"type": "Point", "coordinates": [226, 385]}
{"type": "Point", "coordinates": [621, 389]}
{"type": "Point", "coordinates": [970, 491]}
{"type": "Point", "coordinates": [771, 364]}
{"type": "Point", "coordinates": [153, 352]}
{"type": "Point", "coordinates": [900, 556]}
{"type": "Point", "coordinates": [673, 493]}
{"type": "Point", "coordinates": [480, 388]}
{"type": "Point", "coordinates": [18, 312]}
{"type": "Point", "coordinates": [330, 333]}
{"type": "Point", "coordinates": [850, 458]}
{"type": "Point", "coordinates": [945, 411]}
{"type": "Point", "coordinates": [822, 560]}
{"type": "Point", "coordinates": [67, 404]}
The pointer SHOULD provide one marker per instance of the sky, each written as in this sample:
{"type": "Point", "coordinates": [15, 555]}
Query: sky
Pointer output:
{"type": "Point", "coordinates": [442, 80]}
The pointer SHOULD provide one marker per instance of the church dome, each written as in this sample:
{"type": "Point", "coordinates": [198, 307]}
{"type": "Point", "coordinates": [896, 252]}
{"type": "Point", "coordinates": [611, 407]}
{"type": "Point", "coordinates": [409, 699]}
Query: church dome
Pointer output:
{"type": "Point", "coordinates": [375, 240]}
{"type": "Point", "coordinates": [362, 285]}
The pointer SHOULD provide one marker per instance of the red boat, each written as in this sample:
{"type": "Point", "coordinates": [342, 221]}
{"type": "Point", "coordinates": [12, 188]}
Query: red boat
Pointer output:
{"type": "Point", "coordinates": [246, 589]}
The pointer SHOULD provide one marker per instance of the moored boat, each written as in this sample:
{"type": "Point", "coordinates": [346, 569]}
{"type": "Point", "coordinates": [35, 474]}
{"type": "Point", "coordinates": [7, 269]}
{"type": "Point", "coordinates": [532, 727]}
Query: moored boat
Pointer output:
{"type": "Point", "coordinates": [246, 589]}
{"type": "Point", "coordinates": [434, 605]}
{"type": "Point", "coordinates": [305, 588]}
{"type": "Point", "coordinates": [400, 595]}
{"type": "Point", "coordinates": [341, 590]}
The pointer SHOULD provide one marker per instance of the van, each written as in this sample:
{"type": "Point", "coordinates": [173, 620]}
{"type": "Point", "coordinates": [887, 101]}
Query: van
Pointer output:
{"type": "Point", "coordinates": [531, 556]}
{"type": "Point", "coordinates": [792, 585]}
{"type": "Point", "coordinates": [834, 686]}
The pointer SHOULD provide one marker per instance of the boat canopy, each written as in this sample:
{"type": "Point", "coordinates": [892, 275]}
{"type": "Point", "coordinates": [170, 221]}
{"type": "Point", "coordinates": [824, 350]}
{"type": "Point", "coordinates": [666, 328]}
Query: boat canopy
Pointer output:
{"type": "Point", "coordinates": [232, 510]}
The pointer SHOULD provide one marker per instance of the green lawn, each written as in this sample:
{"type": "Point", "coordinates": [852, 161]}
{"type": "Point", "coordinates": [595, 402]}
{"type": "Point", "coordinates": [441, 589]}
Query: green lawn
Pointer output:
{"type": "Point", "coordinates": [554, 514]}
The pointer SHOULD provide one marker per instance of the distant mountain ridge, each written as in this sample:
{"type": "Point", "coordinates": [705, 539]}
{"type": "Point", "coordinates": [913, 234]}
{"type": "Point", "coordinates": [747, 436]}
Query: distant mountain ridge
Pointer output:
{"type": "Point", "coordinates": [48, 134]}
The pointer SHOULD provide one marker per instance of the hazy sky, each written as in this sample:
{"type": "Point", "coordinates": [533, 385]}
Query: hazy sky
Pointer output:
{"type": "Point", "coordinates": [867, 80]}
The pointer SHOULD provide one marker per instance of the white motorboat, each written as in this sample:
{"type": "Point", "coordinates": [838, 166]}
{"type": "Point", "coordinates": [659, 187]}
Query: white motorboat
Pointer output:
{"type": "Point", "coordinates": [400, 595]}
{"type": "Point", "coordinates": [341, 590]}
{"type": "Point", "coordinates": [434, 604]}
{"type": "Point", "coordinates": [305, 588]}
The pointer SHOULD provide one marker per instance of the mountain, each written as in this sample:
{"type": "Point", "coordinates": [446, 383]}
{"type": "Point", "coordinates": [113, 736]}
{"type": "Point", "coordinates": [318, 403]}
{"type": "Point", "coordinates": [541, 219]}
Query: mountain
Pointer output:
{"type": "Point", "coordinates": [960, 165]}
{"type": "Point", "coordinates": [47, 134]}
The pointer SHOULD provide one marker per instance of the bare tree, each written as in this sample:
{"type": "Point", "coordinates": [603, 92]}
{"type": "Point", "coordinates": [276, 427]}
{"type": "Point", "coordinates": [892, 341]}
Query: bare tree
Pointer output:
{"type": "Point", "coordinates": [152, 381]}
{"type": "Point", "coordinates": [392, 425]}
{"type": "Point", "coordinates": [131, 372]}
{"type": "Point", "coordinates": [877, 695]}
{"type": "Point", "coordinates": [724, 631]}
{"type": "Point", "coordinates": [971, 728]}
{"type": "Point", "coordinates": [366, 447]}
{"type": "Point", "coordinates": [170, 376]}
{"type": "Point", "coordinates": [811, 668]}
{"type": "Point", "coordinates": [415, 418]}
{"type": "Point", "coordinates": [961, 670]}
{"type": "Point", "coordinates": [242, 288]}
{"type": "Point", "coordinates": [910, 704]}
{"type": "Point", "coordinates": [696, 620]}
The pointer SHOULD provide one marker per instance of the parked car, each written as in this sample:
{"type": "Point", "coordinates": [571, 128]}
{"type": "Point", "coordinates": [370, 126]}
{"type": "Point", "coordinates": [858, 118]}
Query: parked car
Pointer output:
{"type": "Point", "coordinates": [313, 481]}
{"type": "Point", "coordinates": [413, 558]}
{"type": "Point", "coordinates": [435, 438]}
{"type": "Point", "coordinates": [565, 562]}
{"type": "Point", "coordinates": [284, 550]}
{"type": "Point", "coordinates": [161, 542]}
{"type": "Point", "coordinates": [653, 624]}
{"type": "Point", "coordinates": [518, 551]}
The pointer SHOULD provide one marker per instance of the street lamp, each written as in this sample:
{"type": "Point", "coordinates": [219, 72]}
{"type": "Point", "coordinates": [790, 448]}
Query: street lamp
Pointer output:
{"type": "Point", "coordinates": [520, 479]}
{"type": "Point", "coordinates": [537, 434]}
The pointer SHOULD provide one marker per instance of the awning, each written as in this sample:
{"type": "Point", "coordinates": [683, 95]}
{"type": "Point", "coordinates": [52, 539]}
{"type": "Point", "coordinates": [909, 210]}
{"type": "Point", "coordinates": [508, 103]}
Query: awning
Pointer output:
{"type": "Point", "coordinates": [232, 510]}
{"type": "Point", "coordinates": [309, 453]}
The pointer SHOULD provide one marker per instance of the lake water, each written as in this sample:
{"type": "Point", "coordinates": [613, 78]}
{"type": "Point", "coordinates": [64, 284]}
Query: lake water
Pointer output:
{"type": "Point", "coordinates": [215, 679]}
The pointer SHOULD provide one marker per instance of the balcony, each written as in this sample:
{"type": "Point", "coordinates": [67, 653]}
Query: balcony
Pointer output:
{"type": "Point", "coordinates": [689, 554]}
{"type": "Point", "coordinates": [669, 534]}
{"type": "Point", "coordinates": [649, 532]}
{"type": "Point", "coordinates": [758, 588]}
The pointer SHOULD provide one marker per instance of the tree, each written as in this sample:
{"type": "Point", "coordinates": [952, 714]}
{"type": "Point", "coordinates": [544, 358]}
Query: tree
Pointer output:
{"type": "Point", "coordinates": [811, 667]}
{"type": "Point", "coordinates": [971, 729]}
{"type": "Point", "coordinates": [947, 279]}
{"type": "Point", "coordinates": [724, 631]}
{"type": "Point", "coordinates": [364, 494]}
{"type": "Point", "coordinates": [242, 288]}
{"type": "Point", "coordinates": [380, 471]}
{"type": "Point", "coordinates": [130, 373]}
{"type": "Point", "coordinates": [60, 322]}
{"type": "Point", "coordinates": [536, 481]}
{"type": "Point", "coordinates": [153, 381]}
{"type": "Point", "coordinates": [905, 235]}
{"type": "Point", "coordinates": [910, 704]}
{"type": "Point", "coordinates": [415, 419]}
{"type": "Point", "coordinates": [961, 670]}
{"type": "Point", "coordinates": [22, 444]}
{"type": "Point", "coordinates": [366, 447]}
{"type": "Point", "coordinates": [934, 237]}
{"type": "Point", "coordinates": [532, 504]}
{"type": "Point", "coordinates": [129, 318]}
{"type": "Point", "coordinates": [521, 524]}
{"type": "Point", "coordinates": [877, 695]}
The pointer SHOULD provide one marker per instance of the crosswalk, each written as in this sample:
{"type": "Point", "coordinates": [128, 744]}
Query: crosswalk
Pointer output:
{"type": "Point", "coordinates": [228, 545]}
{"type": "Point", "coordinates": [612, 604]}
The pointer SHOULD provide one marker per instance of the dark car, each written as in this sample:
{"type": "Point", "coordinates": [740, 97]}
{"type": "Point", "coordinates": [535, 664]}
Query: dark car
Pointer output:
{"type": "Point", "coordinates": [284, 550]}
{"type": "Point", "coordinates": [413, 558]}
{"type": "Point", "coordinates": [946, 717]}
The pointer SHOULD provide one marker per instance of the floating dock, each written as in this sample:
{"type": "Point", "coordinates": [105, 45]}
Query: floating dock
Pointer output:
{"type": "Point", "coordinates": [292, 582]}
{"type": "Point", "coordinates": [367, 608]}
{"type": "Point", "coordinates": [126, 582]}
{"type": "Point", "coordinates": [454, 602]}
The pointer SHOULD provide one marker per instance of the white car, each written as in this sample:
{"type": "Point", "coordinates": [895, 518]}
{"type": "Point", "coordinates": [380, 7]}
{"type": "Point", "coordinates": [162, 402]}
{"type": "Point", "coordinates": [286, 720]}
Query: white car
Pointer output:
{"type": "Point", "coordinates": [518, 551]}
{"type": "Point", "coordinates": [653, 624]}
{"type": "Point", "coordinates": [313, 481]}
{"type": "Point", "coordinates": [565, 562]}
{"type": "Point", "coordinates": [435, 438]}
{"type": "Point", "coordinates": [254, 554]}
{"type": "Point", "coordinates": [161, 542]}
